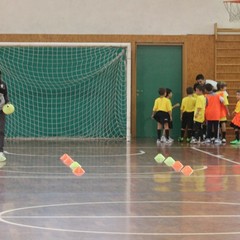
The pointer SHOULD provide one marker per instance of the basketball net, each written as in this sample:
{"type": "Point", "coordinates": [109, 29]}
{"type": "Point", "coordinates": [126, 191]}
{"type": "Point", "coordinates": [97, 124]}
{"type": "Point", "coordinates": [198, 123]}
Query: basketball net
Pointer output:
{"type": "Point", "coordinates": [233, 8]}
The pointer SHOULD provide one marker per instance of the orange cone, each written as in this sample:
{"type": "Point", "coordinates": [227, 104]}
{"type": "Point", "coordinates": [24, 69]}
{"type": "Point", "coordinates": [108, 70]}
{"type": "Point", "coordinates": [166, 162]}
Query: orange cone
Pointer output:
{"type": "Point", "coordinates": [66, 159]}
{"type": "Point", "coordinates": [187, 170]}
{"type": "Point", "coordinates": [78, 171]}
{"type": "Point", "coordinates": [177, 166]}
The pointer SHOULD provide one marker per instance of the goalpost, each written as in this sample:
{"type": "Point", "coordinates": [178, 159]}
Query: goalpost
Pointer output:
{"type": "Point", "coordinates": [68, 90]}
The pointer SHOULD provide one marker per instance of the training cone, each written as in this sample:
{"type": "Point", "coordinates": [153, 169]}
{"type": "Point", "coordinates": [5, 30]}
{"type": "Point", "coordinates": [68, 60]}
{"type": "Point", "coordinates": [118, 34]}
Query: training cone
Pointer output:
{"type": "Point", "coordinates": [78, 171]}
{"type": "Point", "coordinates": [177, 166]}
{"type": "Point", "coordinates": [169, 161]}
{"type": "Point", "coordinates": [74, 165]}
{"type": "Point", "coordinates": [66, 159]}
{"type": "Point", "coordinates": [187, 170]}
{"type": "Point", "coordinates": [159, 158]}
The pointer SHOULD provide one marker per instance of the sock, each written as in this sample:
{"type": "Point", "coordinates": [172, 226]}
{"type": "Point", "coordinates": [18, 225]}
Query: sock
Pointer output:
{"type": "Point", "coordinates": [167, 133]}
{"type": "Point", "coordinates": [223, 134]}
{"type": "Point", "coordinates": [237, 135]}
{"type": "Point", "coordinates": [189, 133]}
{"type": "Point", "coordinates": [159, 134]}
{"type": "Point", "coordinates": [182, 133]}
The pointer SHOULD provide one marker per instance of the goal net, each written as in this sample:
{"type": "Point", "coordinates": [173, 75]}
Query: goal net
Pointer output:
{"type": "Point", "coordinates": [67, 90]}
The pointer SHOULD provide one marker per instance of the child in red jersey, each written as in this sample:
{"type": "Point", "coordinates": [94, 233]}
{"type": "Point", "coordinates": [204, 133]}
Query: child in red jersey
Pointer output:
{"type": "Point", "coordinates": [213, 114]}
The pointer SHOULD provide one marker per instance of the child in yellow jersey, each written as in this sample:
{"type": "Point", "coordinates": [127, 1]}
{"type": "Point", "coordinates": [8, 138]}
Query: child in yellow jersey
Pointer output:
{"type": "Point", "coordinates": [162, 113]}
{"type": "Point", "coordinates": [187, 113]}
{"type": "Point", "coordinates": [199, 114]}
{"type": "Point", "coordinates": [169, 95]}
{"type": "Point", "coordinates": [236, 120]}
{"type": "Point", "coordinates": [222, 87]}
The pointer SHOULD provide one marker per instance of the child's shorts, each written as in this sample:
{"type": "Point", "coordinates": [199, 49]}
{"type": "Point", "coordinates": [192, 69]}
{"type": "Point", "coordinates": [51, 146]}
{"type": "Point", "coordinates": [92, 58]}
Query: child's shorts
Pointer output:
{"type": "Point", "coordinates": [162, 117]}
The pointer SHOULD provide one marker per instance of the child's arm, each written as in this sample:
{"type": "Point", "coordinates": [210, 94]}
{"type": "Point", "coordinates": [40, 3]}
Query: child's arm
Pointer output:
{"type": "Point", "coordinates": [170, 114]}
{"type": "Point", "coordinates": [153, 113]}
{"type": "Point", "coordinates": [181, 115]}
{"type": "Point", "coordinates": [176, 105]}
{"type": "Point", "coordinates": [228, 112]}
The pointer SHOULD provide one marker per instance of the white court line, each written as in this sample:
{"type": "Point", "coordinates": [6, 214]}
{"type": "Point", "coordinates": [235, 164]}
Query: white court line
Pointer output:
{"type": "Point", "coordinates": [119, 217]}
{"type": "Point", "coordinates": [216, 156]}
{"type": "Point", "coordinates": [85, 156]}
{"type": "Point", "coordinates": [4, 218]}
{"type": "Point", "coordinates": [200, 169]}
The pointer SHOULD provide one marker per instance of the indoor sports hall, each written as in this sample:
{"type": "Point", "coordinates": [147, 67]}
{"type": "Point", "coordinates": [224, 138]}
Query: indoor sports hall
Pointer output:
{"type": "Point", "coordinates": [81, 160]}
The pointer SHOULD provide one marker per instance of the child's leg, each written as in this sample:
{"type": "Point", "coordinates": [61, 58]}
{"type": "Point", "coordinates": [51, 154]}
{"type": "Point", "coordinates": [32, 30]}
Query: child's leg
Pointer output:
{"type": "Point", "coordinates": [190, 126]}
{"type": "Point", "coordinates": [166, 127]}
{"type": "Point", "coordinates": [223, 129]}
{"type": "Point", "coordinates": [183, 125]}
{"type": "Point", "coordinates": [159, 127]}
{"type": "Point", "coordinates": [236, 130]}
{"type": "Point", "coordinates": [196, 130]}
{"type": "Point", "coordinates": [209, 129]}
{"type": "Point", "coordinates": [182, 132]}
{"type": "Point", "coordinates": [216, 129]}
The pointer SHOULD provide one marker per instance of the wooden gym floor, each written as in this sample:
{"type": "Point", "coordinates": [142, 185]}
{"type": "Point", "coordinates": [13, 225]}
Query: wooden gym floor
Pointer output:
{"type": "Point", "coordinates": [124, 194]}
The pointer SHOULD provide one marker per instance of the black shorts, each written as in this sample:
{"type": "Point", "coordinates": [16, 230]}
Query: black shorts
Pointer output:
{"type": "Point", "coordinates": [162, 117]}
{"type": "Point", "coordinates": [187, 120]}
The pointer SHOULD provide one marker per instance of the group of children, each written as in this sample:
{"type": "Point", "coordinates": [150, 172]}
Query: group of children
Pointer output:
{"type": "Point", "coordinates": [204, 113]}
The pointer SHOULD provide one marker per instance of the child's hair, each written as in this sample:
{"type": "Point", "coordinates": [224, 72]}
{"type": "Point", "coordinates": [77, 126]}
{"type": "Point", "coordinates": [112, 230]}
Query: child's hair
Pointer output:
{"type": "Point", "coordinates": [199, 87]}
{"type": "Point", "coordinates": [209, 87]}
{"type": "Point", "coordinates": [189, 90]}
{"type": "Point", "coordinates": [162, 91]}
{"type": "Point", "coordinates": [221, 85]}
{"type": "Point", "coordinates": [168, 91]}
{"type": "Point", "coordinates": [199, 77]}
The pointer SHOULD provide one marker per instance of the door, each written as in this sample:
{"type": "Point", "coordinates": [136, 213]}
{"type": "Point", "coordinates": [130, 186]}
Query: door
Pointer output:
{"type": "Point", "coordinates": [157, 66]}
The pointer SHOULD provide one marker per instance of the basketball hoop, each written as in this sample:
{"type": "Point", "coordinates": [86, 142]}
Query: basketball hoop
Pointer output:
{"type": "Point", "coordinates": [233, 8]}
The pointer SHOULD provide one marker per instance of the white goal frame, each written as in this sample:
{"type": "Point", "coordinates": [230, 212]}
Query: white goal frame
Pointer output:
{"type": "Point", "coordinates": [90, 44]}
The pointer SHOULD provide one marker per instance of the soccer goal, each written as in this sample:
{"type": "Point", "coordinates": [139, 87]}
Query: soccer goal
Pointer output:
{"type": "Point", "coordinates": [68, 90]}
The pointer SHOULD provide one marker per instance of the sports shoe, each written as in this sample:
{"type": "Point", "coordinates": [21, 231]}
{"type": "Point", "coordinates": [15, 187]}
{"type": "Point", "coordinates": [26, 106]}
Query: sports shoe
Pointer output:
{"type": "Point", "coordinates": [224, 140]}
{"type": "Point", "coordinates": [188, 140]}
{"type": "Point", "coordinates": [217, 141]}
{"type": "Point", "coordinates": [194, 141]}
{"type": "Point", "coordinates": [158, 141]}
{"type": "Point", "coordinates": [171, 139]}
{"type": "Point", "coordinates": [163, 139]}
{"type": "Point", "coordinates": [234, 141]}
{"type": "Point", "coordinates": [180, 139]}
{"type": "Point", "coordinates": [2, 157]}
{"type": "Point", "coordinates": [212, 140]}
{"type": "Point", "coordinates": [207, 140]}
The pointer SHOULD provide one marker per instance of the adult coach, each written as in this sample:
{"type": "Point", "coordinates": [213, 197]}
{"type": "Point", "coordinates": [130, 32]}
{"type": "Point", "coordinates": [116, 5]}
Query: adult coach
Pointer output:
{"type": "Point", "coordinates": [201, 81]}
{"type": "Point", "coordinates": [3, 100]}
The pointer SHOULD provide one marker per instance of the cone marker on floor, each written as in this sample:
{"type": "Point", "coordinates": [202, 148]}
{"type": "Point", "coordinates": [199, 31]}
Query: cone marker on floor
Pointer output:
{"type": "Point", "coordinates": [187, 170]}
{"type": "Point", "coordinates": [78, 171]}
{"type": "Point", "coordinates": [177, 166]}
{"type": "Point", "coordinates": [76, 168]}
{"type": "Point", "coordinates": [159, 158]}
{"type": "Point", "coordinates": [169, 161]}
{"type": "Point", "coordinates": [66, 159]}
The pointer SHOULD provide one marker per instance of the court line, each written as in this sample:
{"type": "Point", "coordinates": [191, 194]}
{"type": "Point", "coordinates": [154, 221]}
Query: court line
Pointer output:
{"type": "Point", "coordinates": [216, 156]}
{"type": "Point", "coordinates": [85, 156]}
{"type": "Point", "coordinates": [118, 233]}
{"type": "Point", "coordinates": [120, 217]}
